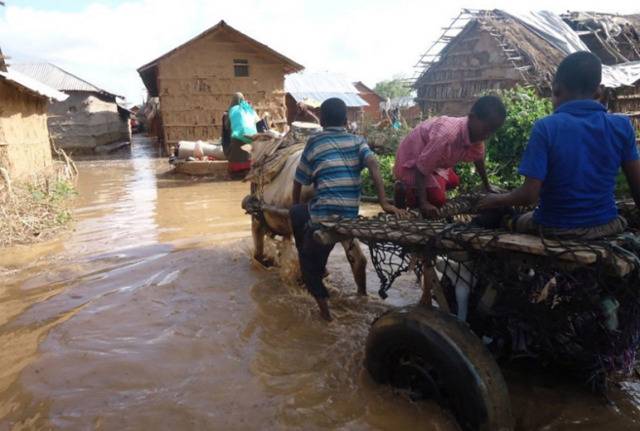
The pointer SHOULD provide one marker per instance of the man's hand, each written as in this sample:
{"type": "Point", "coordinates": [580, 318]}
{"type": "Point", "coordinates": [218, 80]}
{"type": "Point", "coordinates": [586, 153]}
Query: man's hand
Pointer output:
{"type": "Point", "coordinates": [429, 210]}
{"type": "Point", "coordinates": [490, 201]}
{"type": "Point", "coordinates": [527, 194]}
{"type": "Point", "coordinates": [391, 209]}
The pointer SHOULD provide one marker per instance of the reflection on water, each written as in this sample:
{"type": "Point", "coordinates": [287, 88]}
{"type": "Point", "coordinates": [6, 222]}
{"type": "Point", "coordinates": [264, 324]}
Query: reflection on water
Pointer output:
{"type": "Point", "coordinates": [149, 315]}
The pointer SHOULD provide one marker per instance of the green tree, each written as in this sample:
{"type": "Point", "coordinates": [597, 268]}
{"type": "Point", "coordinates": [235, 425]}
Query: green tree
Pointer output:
{"type": "Point", "coordinates": [392, 88]}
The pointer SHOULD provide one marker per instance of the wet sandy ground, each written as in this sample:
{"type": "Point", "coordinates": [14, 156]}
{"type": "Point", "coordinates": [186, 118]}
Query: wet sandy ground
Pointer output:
{"type": "Point", "coordinates": [150, 315]}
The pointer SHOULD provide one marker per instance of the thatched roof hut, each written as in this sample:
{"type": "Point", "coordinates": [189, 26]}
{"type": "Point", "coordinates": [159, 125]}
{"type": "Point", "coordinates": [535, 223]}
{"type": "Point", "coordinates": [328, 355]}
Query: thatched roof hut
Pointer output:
{"type": "Point", "coordinates": [487, 50]}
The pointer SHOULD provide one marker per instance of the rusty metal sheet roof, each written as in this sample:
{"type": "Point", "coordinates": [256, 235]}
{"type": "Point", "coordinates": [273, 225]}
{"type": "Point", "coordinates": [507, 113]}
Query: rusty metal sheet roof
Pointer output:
{"type": "Point", "coordinates": [320, 86]}
{"type": "Point", "coordinates": [58, 78]}
{"type": "Point", "coordinates": [32, 85]}
{"type": "Point", "coordinates": [621, 75]}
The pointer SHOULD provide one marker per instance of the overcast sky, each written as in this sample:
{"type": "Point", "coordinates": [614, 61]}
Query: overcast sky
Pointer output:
{"type": "Point", "coordinates": [104, 41]}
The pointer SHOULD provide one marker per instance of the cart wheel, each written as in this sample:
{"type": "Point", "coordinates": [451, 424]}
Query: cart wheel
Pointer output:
{"type": "Point", "coordinates": [432, 355]}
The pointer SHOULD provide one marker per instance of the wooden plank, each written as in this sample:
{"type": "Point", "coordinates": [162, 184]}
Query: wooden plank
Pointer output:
{"type": "Point", "coordinates": [567, 251]}
{"type": "Point", "coordinates": [522, 243]}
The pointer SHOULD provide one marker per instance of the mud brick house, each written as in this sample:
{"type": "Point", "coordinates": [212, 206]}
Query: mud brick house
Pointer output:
{"type": "Point", "coordinates": [196, 80]}
{"type": "Point", "coordinates": [90, 120]}
{"type": "Point", "coordinates": [25, 149]}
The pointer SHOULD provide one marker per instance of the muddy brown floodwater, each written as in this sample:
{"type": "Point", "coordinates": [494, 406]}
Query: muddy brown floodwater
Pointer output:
{"type": "Point", "coordinates": [149, 315]}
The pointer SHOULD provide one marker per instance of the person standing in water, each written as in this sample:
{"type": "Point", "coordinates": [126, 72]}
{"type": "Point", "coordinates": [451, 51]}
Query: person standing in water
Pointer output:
{"type": "Point", "coordinates": [332, 162]}
{"type": "Point", "coordinates": [242, 123]}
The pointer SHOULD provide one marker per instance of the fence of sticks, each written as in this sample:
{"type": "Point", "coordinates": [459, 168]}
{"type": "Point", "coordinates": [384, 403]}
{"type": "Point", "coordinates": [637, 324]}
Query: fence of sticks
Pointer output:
{"type": "Point", "coordinates": [573, 303]}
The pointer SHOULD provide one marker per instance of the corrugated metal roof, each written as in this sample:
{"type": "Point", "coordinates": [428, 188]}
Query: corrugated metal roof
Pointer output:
{"type": "Point", "coordinates": [58, 78]}
{"type": "Point", "coordinates": [320, 86]}
{"type": "Point", "coordinates": [33, 85]}
{"type": "Point", "coordinates": [551, 28]}
{"type": "Point", "coordinates": [621, 75]}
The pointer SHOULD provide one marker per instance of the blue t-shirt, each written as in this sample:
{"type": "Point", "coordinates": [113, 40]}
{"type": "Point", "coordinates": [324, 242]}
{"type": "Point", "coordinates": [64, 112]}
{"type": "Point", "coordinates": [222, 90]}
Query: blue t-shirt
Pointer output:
{"type": "Point", "coordinates": [576, 152]}
{"type": "Point", "coordinates": [332, 161]}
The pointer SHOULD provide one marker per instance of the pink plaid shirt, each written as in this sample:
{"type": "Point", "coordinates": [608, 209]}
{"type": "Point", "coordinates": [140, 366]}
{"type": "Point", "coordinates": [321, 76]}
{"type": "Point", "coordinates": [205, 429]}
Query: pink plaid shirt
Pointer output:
{"type": "Point", "coordinates": [433, 147]}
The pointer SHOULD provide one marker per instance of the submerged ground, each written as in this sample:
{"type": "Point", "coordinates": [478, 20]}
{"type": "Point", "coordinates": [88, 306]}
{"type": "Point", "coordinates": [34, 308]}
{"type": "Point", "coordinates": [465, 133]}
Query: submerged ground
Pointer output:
{"type": "Point", "coordinates": [150, 315]}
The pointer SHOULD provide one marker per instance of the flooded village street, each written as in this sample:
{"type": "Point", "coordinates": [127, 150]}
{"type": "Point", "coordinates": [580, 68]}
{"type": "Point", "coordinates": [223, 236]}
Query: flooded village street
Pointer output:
{"type": "Point", "coordinates": [150, 315]}
{"type": "Point", "coordinates": [319, 216]}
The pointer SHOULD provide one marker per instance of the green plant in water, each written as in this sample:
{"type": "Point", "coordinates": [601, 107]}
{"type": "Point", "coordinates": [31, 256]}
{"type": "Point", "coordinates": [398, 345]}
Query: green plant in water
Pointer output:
{"type": "Point", "coordinates": [62, 190]}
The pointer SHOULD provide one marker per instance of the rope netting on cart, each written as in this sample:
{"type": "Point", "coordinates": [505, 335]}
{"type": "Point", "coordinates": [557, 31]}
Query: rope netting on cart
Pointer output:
{"type": "Point", "coordinates": [572, 302]}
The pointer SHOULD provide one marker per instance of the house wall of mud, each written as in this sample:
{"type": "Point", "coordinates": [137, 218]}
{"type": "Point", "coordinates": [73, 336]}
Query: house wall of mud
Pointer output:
{"type": "Point", "coordinates": [196, 84]}
{"type": "Point", "coordinates": [24, 138]}
{"type": "Point", "coordinates": [470, 66]}
{"type": "Point", "coordinates": [86, 121]}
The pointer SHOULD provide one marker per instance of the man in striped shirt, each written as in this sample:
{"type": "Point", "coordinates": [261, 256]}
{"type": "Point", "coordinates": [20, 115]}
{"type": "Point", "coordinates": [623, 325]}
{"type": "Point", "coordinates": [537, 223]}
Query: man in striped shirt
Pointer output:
{"type": "Point", "coordinates": [332, 162]}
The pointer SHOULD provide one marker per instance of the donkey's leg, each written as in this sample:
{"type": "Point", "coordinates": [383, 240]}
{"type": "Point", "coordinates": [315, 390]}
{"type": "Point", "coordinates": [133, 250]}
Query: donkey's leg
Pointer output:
{"type": "Point", "coordinates": [258, 230]}
{"type": "Point", "coordinates": [358, 263]}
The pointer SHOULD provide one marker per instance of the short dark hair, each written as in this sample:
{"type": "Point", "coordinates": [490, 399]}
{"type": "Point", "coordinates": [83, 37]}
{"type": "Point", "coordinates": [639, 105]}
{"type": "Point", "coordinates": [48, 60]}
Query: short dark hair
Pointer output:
{"type": "Point", "coordinates": [488, 108]}
{"type": "Point", "coordinates": [333, 113]}
{"type": "Point", "coordinates": [579, 73]}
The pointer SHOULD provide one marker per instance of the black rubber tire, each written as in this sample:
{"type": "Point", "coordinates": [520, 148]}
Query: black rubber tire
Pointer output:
{"type": "Point", "coordinates": [431, 353]}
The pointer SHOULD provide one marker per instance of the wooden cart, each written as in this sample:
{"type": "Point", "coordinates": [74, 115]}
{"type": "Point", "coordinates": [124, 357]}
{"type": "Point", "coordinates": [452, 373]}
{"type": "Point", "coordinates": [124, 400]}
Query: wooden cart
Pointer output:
{"type": "Point", "coordinates": [575, 303]}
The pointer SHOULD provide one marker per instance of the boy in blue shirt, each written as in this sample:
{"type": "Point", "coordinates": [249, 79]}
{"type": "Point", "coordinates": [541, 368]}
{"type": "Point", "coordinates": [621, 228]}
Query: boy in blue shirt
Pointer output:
{"type": "Point", "coordinates": [331, 161]}
{"type": "Point", "coordinates": [572, 160]}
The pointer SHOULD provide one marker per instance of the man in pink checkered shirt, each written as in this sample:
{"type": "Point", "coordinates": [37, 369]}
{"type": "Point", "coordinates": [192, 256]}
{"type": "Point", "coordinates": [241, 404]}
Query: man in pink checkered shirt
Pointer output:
{"type": "Point", "coordinates": [426, 157]}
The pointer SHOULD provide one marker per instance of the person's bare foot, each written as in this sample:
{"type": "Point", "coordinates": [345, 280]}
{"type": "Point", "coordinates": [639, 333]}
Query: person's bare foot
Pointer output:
{"type": "Point", "coordinates": [323, 305]}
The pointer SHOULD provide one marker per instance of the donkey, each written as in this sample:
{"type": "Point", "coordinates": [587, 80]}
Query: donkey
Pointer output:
{"type": "Point", "coordinates": [277, 199]}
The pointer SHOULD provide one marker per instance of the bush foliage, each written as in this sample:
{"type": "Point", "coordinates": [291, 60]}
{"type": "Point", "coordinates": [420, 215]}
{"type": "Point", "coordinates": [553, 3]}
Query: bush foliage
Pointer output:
{"type": "Point", "coordinates": [35, 211]}
{"type": "Point", "coordinates": [386, 170]}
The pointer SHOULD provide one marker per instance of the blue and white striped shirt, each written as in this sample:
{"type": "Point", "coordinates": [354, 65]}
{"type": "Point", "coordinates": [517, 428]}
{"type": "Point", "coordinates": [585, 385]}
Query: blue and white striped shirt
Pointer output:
{"type": "Point", "coordinates": [332, 161]}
